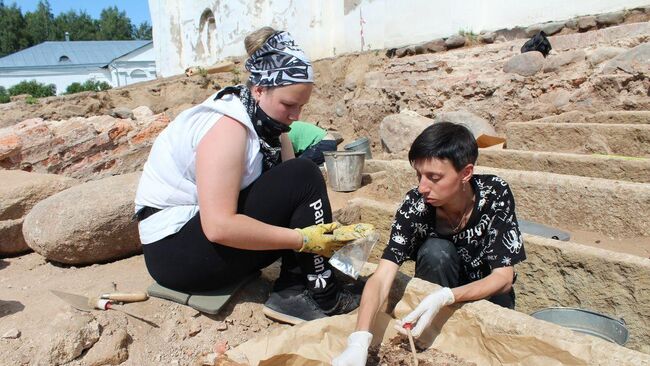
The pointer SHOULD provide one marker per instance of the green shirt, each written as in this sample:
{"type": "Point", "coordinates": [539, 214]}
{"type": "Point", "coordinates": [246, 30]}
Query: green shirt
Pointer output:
{"type": "Point", "coordinates": [303, 135]}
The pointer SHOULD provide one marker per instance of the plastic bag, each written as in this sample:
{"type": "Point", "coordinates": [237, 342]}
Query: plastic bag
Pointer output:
{"type": "Point", "coordinates": [539, 42]}
{"type": "Point", "coordinates": [351, 258]}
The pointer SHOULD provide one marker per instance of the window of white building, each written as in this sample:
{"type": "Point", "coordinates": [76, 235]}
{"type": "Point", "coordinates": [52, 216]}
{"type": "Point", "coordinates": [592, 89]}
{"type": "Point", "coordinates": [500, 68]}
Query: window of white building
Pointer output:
{"type": "Point", "coordinates": [207, 34]}
{"type": "Point", "coordinates": [138, 74]}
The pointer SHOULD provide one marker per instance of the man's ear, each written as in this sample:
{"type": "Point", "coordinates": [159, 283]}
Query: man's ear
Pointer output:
{"type": "Point", "coordinates": [467, 172]}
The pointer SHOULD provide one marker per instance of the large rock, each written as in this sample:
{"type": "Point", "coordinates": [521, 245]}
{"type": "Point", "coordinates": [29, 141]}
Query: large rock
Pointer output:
{"type": "Point", "coordinates": [479, 126]}
{"type": "Point", "coordinates": [602, 54]}
{"type": "Point", "coordinates": [549, 28]}
{"type": "Point", "coordinates": [122, 112]}
{"type": "Point", "coordinates": [634, 61]}
{"type": "Point", "coordinates": [113, 346]}
{"type": "Point", "coordinates": [405, 51]}
{"type": "Point", "coordinates": [553, 63]}
{"type": "Point", "coordinates": [455, 41]}
{"type": "Point", "coordinates": [558, 98]}
{"type": "Point", "coordinates": [69, 335]}
{"type": "Point", "coordinates": [572, 23]}
{"type": "Point", "coordinates": [586, 23]}
{"type": "Point", "coordinates": [11, 237]}
{"type": "Point", "coordinates": [609, 19]}
{"type": "Point", "coordinates": [142, 112]}
{"type": "Point", "coordinates": [525, 64]}
{"type": "Point", "coordinates": [397, 131]}
{"type": "Point", "coordinates": [437, 45]}
{"type": "Point", "coordinates": [487, 37]}
{"type": "Point", "coordinates": [88, 223]}
{"type": "Point", "coordinates": [19, 192]}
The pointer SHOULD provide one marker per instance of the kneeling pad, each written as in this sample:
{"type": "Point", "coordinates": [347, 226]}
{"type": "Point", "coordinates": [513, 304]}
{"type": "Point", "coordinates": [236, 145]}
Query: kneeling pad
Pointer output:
{"type": "Point", "coordinates": [209, 302]}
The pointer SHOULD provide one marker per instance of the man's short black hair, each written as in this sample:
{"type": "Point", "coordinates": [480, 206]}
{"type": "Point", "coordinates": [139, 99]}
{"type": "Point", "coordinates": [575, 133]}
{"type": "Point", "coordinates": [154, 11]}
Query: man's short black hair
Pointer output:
{"type": "Point", "coordinates": [445, 140]}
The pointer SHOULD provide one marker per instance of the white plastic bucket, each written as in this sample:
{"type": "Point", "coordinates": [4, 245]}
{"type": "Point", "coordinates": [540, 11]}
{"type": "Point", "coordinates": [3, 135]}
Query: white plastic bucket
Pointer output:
{"type": "Point", "coordinates": [344, 169]}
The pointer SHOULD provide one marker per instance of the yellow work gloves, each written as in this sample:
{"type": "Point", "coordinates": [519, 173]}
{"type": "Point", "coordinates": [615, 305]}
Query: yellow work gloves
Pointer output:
{"type": "Point", "coordinates": [325, 239]}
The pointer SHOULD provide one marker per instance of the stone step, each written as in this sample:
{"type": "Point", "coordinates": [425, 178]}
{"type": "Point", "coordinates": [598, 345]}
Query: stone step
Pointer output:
{"type": "Point", "coordinates": [581, 138]}
{"type": "Point", "coordinates": [612, 117]}
{"type": "Point", "coordinates": [596, 166]}
{"type": "Point", "coordinates": [596, 205]}
{"type": "Point", "coordinates": [606, 36]}
{"type": "Point", "coordinates": [591, 204]}
{"type": "Point", "coordinates": [556, 273]}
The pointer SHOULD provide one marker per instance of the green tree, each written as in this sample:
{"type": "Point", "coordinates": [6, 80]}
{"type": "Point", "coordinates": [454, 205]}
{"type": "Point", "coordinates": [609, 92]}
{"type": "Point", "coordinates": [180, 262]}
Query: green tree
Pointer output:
{"type": "Point", "coordinates": [40, 24]}
{"type": "Point", "coordinates": [33, 88]}
{"type": "Point", "coordinates": [12, 27]}
{"type": "Point", "coordinates": [80, 26]}
{"type": "Point", "coordinates": [88, 85]}
{"type": "Point", "coordinates": [114, 25]}
{"type": "Point", "coordinates": [143, 31]}
{"type": "Point", "coordinates": [4, 96]}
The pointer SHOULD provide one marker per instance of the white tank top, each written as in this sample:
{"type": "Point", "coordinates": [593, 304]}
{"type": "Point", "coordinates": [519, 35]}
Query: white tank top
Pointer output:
{"type": "Point", "coordinates": [168, 181]}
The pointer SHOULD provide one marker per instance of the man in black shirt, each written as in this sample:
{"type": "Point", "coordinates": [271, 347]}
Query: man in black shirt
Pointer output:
{"type": "Point", "coordinates": [460, 228]}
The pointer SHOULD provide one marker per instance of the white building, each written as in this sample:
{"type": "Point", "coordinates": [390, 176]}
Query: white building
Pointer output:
{"type": "Point", "coordinates": [201, 32]}
{"type": "Point", "coordinates": [118, 63]}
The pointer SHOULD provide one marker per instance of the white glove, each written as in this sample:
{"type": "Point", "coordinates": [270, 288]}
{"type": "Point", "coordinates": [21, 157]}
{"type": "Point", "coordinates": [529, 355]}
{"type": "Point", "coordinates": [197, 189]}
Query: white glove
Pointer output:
{"type": "Point", "coordinates": [421, 317]}
{"type": "Point", "coordinates": [357, 351]}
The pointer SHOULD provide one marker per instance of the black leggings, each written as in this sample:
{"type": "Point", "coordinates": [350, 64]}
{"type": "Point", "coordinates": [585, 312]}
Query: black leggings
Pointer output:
{"type": "Point", "coordinates": [292, 195]}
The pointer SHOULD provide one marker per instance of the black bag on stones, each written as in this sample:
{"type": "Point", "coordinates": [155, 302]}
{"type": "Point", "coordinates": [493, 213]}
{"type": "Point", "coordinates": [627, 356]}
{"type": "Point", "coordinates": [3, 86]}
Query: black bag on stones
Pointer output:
{"type": "Point", "coordinates": [537, 43]}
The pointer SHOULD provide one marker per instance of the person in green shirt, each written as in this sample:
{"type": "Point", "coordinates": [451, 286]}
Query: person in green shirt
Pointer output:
{"type": "Point", "coordinates": [310, 141]}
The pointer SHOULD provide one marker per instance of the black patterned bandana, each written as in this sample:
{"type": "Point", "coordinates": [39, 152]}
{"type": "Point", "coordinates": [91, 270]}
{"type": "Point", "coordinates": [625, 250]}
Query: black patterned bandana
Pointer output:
{"type": "Point", "coordinates": [279, 62]}
{"type": "Point", "coordinates": [268, 129]}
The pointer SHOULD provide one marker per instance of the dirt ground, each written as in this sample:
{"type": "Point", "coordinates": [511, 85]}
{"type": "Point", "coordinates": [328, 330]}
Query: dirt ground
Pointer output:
{"type": "Point", "coordinates": [397, 352]}
{"type": "Point", "coordinates": [26, 305]}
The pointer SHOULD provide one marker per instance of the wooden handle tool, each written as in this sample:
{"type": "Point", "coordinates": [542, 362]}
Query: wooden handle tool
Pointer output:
{"type": "Point", "coordinates": [408, 327]}
{"type": "Point", "coordinates": [125, 297]}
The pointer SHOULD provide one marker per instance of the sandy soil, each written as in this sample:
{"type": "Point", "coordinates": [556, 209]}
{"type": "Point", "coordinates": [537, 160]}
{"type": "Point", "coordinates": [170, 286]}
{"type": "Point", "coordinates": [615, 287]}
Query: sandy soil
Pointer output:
{"type": "Point", "coordinates": [27, 305]}
{"type": "Point", "coordinates": [398, 352]}
{"type": "Point", "coordinates": [635, 246]}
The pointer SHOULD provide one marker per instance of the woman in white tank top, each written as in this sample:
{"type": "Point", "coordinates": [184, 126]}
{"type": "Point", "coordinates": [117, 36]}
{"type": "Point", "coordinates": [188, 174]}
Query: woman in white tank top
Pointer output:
{"type": "Point", "coordinates": [222, 197]}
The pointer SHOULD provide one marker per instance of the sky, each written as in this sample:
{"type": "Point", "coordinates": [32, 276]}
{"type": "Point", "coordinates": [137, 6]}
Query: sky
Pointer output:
{"type": "Point", "coordinates": [137, 10]}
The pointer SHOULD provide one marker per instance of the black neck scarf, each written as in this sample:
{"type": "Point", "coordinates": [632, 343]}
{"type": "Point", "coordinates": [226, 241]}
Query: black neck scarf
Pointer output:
{"type": "Point", "coordinates": [268, 130]}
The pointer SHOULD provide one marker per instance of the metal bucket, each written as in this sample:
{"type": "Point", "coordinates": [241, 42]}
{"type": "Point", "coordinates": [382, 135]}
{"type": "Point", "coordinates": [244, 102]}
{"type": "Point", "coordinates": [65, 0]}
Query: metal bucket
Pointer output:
{"type": "Point", "coordinates": [361, 144]}
{"type": "Point", "coordinates": [344, 169]}
{"type": "Point", "coordinates": [587, 322]}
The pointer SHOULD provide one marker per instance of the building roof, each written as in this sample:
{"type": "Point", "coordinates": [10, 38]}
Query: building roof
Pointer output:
{"type": "Point", "coordinates": [71, 53]}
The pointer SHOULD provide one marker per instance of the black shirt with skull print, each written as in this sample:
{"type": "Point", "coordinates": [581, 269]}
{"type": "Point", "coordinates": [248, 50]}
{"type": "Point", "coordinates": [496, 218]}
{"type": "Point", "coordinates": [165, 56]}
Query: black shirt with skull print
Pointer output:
{"type": "Point", "coordinates": [490, 239]}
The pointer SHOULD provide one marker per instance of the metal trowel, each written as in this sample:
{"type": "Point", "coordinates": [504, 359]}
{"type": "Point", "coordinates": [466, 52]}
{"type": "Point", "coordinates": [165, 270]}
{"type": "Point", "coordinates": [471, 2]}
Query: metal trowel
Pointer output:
{"type": "Point", "coordinates": [88, 304]}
